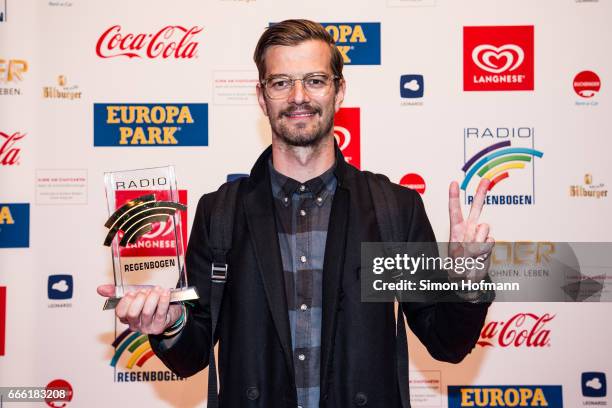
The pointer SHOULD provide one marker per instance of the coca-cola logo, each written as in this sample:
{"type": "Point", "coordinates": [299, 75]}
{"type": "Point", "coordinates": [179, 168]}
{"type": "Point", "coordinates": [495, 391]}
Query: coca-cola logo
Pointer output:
{"type": "Point", "coordinates": [9, 154]}
{"type": "Point", "coordinates": [169, 42]}
{"type": "Point", "coordinates": [521, 330]}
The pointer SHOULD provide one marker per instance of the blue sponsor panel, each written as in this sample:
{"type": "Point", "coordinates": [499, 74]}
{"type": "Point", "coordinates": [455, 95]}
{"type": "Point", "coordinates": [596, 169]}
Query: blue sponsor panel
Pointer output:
{"type": "Point", "coordinates": [60, 287]}
{"type": "Point", "coordinates": [485, 396]}
{"type": "Point", "coordinates": [150, 124]}
{"type": "Point", "coordinates": [359, 43]}
{"type": "Point", "coordinates": [14, 225]}
{"type": "Point", "coordinates": [236, 176]}
{"type": "Point", "coordinates": [594, 384]}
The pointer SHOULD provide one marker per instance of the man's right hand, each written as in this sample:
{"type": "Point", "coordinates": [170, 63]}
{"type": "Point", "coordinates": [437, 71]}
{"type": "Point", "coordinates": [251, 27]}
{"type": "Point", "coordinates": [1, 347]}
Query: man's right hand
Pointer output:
{"type": "Point", "coordinates": [147, 311]}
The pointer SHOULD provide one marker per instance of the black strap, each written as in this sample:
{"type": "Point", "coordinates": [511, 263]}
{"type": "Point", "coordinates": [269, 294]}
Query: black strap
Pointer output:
{"type": "Point", "coordinates": [387, 216]}
{"type": "Point", "coordinates": [220, 237]}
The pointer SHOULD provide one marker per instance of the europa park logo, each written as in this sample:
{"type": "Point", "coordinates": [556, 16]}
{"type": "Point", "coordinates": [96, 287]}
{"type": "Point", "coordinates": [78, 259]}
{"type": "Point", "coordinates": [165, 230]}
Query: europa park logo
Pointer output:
{"type": "Point", "coordinates": [9, 152]}
{"type": "Point", "coordinates": [520, 330]}
{"type": "Point", "coordinates": [498, 58]}
{"type": "Point", "coordinates": [172, 41]}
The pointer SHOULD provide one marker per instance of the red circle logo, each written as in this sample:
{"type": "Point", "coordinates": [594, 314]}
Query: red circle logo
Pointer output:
{"type": "Point", "coordinates": [414, 182]}
{"type": "Point", "coordinates": [586, 84]}
{"type": "Point", "coordinates": [62, 386]}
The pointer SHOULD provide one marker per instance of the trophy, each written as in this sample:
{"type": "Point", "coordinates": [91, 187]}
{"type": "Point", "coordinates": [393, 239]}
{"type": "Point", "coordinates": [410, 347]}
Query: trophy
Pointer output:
{"type": "Point", "coordinates": [146, 232]}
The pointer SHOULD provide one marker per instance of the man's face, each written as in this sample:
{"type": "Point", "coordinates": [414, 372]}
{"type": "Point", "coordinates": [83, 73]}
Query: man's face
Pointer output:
{"type": "Point", "coordinates": [300, 119]}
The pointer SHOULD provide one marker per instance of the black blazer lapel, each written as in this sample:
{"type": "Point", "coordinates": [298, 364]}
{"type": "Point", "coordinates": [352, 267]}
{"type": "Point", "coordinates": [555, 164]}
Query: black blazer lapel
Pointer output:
{"type": "Point", "coordinates": [259, 209]}
{"type": "Point", "coordinates": [333, 266]}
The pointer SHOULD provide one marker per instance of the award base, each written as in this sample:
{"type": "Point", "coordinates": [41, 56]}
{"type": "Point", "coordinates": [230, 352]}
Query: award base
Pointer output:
{"type": "Point", "coordinates": [176, 295]}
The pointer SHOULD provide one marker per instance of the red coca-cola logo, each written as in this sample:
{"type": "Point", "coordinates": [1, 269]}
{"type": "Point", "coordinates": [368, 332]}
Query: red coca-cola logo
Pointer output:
{"type": "Point", "coordinates": [169, 42]}
{"type": "Point", "coordinates": [9, 154]}
{"type": "Point", "coordinates": [521, 330]}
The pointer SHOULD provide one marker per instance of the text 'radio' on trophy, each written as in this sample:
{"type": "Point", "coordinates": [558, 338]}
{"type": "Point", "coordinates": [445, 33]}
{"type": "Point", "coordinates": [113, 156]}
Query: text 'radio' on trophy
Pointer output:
{"type": "Point", "coordinates": [147, 232]}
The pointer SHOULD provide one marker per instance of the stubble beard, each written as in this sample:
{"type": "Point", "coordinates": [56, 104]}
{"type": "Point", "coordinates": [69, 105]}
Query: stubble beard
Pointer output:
{"type": "Point", "coordinates": [299, 135]}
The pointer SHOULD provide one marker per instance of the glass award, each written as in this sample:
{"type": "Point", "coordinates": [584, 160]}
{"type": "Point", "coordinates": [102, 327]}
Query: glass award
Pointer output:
{"type": "Point", "coordinates": [147, 232]}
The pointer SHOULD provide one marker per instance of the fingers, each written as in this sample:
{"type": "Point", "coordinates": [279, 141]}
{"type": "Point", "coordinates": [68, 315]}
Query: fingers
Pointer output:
{"type": "Point", "coordinates": [106, 290]}
{"type": "Point", "coordinates": [146, 310]}
{"type": "Point", "coordinates": [149, 308]}
{"type": "Point", "coordinates": [454, 205]}
{"type": "Point", "coordinates": [479, 199]}
{"type": "Point", "coordinates": [482, 232]}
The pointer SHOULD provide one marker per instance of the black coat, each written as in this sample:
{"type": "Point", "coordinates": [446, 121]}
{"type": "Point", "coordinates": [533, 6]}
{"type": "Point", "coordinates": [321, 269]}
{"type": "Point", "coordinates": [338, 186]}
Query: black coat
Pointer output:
{"type": "Point", "coordinates": [357, 339]}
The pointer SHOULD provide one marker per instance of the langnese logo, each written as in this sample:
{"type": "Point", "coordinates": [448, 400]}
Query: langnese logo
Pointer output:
{"type": "Point", "coordinates": [59, 290]}
{"type": "Point", "coordinates": [14, 225]}
{"type": "Point", "coordinates": [2, 320]}
{"type": "Point", "coordinates": [159, 241]}
{"type": "Point", "coordinates": [151, 124]}
{"type": "Point", "coordinates": [594, 385]}
{"type": "Point", "coordinates": [62, 90]}
{"type": "Point", "coordinates": [498, 58]}
{"type": "Point", "coordinates": [132, 352]}
{"type": "Point", "coordinates": [347, 134]}
{"type": "Point", "coordinates": [461, 396]}
{"type": "Point", "coordinates": [359, 43]}
{"type": "Point", "coordinates": [415, 182]}
{"type": "Point", "coordinates": [172, 41]}
{"type": "Point", "coordinates": [12, 72]}
{"type": "Point", "coordinates": [9, 149]}
{"type": "Point", "coordinates": [520, 330]}
{"type": "Point", "coordinates": [496, 154]}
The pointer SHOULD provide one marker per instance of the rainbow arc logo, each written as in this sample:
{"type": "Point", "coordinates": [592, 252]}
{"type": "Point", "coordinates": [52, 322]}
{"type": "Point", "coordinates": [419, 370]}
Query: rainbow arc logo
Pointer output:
{"type": "Point", "coordinates": [134, 343]}
{"type": "Point", "coordinates": [495, 161]}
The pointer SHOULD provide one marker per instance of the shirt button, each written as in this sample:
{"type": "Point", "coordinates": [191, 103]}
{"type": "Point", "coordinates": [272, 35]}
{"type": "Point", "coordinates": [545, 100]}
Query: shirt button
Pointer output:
{"type": "Point", "coordinates": [319, 200]}
{"type": "Point", "coordinates": [302, 188]}
{"type": "Point", "coordinates": [301, 357]}
{"type": "Point", "coordinates": [302, 213]}
{"type": "Point", "coordinates": [286, 199]}
{"type": "Point", "coordinates": [299, 406]}
{"type": "Point", "coordinates": [304, 307]}
{"type": "Point", "coordinates": [303, 259]}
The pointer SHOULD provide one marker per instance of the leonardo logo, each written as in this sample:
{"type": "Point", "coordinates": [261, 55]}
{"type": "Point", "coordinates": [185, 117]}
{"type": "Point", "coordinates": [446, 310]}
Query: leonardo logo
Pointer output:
{"type": "Point", "coordinates": [137, 350]}
{"type": "Point", "coordinates": [498, 58]}
{"type": "Point", "coordinates": [460, 396]}
{"type": "Point", "coordinates": [151, 124]}
{"type": "Point", "coordinates": [346, 132]}
{"type": "Point", "coordinates": [492, 153]}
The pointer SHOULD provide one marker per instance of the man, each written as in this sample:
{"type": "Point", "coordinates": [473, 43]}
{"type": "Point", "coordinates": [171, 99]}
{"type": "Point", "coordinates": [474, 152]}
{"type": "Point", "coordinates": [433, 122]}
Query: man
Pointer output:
{"type": "Point", "coordinates": [293, 330]}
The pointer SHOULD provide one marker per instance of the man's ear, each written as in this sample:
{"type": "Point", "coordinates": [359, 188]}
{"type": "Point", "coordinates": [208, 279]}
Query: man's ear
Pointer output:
{"type": "Point", "coordinates": [261, 99]}
{"type": "Point", "coordinates": [339, 98]}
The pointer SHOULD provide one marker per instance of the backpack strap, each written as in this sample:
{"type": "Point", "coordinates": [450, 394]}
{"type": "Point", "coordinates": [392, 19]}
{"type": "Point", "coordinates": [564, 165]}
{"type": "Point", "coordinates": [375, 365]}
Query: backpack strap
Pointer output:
{"type": "Point", "coordinates": [387, 215]}
{"type": "Point", "coordinates": [220, 238]}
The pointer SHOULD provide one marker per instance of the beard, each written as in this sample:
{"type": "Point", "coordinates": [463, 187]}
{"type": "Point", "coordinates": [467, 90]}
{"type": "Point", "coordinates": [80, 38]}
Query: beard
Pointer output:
{"type": "Point", "coordinates": [303, 134]}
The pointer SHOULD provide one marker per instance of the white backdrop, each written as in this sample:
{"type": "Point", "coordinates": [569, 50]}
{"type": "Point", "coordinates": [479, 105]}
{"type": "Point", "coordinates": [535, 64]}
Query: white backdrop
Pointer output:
{"type": "Point", "coordinates": [58, 170]}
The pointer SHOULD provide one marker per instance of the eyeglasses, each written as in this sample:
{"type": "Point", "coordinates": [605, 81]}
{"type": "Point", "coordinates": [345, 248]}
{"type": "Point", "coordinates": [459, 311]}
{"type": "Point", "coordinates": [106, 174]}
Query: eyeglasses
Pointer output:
{"type": "Point", "coordinates": [279, 87]}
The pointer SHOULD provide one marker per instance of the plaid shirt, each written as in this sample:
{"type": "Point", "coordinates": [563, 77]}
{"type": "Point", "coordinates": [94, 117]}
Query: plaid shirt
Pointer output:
{"type": "Point", "coordinates": [302, 217]}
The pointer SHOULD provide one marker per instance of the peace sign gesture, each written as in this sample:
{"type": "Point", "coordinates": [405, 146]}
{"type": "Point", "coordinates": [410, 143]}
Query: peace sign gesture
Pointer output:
{"type": "Point", "coordinates": [468, 238]}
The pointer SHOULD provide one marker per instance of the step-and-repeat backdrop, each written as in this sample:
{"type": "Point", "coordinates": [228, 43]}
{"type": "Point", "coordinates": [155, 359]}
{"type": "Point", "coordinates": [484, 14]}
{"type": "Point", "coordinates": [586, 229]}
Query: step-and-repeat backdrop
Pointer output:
{"type": "Point", "coordinates": [431, 84]}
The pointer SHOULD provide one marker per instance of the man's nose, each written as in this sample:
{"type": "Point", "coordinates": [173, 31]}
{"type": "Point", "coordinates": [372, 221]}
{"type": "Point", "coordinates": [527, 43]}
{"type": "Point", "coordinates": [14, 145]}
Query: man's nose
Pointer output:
{"type": "Point", "coordinates": [298, 94]}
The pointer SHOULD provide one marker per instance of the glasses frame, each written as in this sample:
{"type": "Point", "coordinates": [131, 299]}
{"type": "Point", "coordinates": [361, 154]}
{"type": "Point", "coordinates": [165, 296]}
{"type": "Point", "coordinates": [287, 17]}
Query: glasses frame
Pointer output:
{"type": "Point", "coordinates": [292, 83]}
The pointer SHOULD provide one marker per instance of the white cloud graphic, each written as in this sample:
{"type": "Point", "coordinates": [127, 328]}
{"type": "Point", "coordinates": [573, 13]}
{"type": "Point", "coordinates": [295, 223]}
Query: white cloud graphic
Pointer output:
{"type": "Point", "coordinates": [412, 85]}
{"type": "Point", "coordinates": [594, 383]}
{"type": "Point", "coordinates": [60, 286]}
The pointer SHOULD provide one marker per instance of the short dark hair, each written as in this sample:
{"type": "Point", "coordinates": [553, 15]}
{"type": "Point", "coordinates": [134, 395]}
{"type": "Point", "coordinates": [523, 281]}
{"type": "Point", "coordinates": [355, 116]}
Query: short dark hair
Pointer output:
{"type": "Point", "coordinates": [292, 33]}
